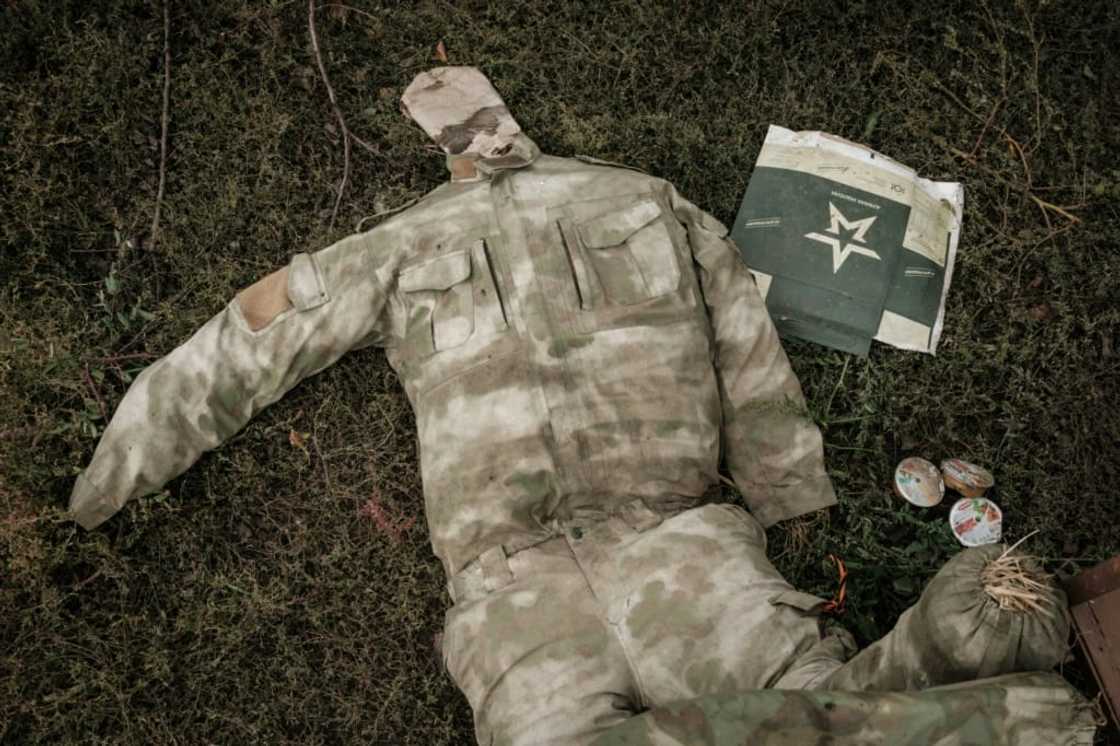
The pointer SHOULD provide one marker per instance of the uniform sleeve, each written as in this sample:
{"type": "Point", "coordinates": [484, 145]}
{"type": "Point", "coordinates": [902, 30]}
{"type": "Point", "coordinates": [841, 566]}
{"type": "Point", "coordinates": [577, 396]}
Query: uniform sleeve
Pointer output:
{"type": "Point", "coordinates": [772, 447]}
{"type": "Point", "coordinates": [284, 328]}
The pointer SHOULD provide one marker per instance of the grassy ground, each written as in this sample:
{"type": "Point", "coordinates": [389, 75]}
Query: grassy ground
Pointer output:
{"type": "Point", "coordinates": [256, 600]}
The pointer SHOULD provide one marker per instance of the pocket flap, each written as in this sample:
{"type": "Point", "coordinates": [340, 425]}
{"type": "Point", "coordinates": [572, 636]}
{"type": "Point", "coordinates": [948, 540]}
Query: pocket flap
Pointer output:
{"type": "Point", "coordinates": [305, 285]}
{"type": "Point", "coordinates": [798, 600]}
{"type": "Point", "coordinates": [615, 227]}
{"type": "Point", "coordinates": [440, 273]}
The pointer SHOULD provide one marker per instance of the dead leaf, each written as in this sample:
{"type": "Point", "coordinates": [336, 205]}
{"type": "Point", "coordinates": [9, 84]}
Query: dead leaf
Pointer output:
{"type": "Point", "coordinates": [298, 439]}
{"type": "Point", "coordinates": [1041, 312]}
{"type": "Point", "coordinates": [441, 52]}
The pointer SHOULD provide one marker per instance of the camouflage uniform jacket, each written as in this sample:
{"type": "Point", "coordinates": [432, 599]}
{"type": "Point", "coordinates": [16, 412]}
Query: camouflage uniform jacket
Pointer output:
{"type": "Point", "coordinates": [571, 336]}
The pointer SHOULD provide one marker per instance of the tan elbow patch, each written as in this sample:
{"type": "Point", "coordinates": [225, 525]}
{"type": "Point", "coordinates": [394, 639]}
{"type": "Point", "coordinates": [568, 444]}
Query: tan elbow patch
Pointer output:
{"type": "Point", "coordinates": [265, 299]}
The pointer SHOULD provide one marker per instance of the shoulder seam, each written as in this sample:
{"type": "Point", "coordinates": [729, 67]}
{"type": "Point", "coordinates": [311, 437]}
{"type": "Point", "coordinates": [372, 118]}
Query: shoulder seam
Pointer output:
{"type": "Point", "coordinates": [601, 162]}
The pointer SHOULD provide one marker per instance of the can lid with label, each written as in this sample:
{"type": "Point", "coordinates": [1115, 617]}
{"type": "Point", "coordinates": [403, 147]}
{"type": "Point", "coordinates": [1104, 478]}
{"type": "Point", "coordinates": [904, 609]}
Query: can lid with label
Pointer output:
{"type": "Point", "coordinates": [968, 479]}
{"type": "Point", "coordinates": [976, 521]}
{"type": "Point", "coordinates": [918, 482]}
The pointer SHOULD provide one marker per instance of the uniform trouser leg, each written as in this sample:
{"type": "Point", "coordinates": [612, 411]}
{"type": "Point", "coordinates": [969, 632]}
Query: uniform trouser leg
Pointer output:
{"type": "Point", "coordinates": [571, 637]}
{"type": "Point", "coordinates": [533, 656]}
{"type": "Point", "coordinates": [1026, 709]}
{"type": "Point", "coordinates": [700, 609]}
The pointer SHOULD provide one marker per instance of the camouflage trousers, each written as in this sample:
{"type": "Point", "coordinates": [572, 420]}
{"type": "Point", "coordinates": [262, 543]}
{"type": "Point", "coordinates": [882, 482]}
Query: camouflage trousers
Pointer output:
{"type": "Point", "coordinates": [1023, 709]}
{"type": "Point", "coordinates": [677, 631]}
{"type": "Point", "coordinates": [560, 642]}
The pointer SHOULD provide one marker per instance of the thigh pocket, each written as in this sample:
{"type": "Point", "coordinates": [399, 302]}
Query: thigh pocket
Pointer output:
{"type": "Point", "coordinates": [625, 256]}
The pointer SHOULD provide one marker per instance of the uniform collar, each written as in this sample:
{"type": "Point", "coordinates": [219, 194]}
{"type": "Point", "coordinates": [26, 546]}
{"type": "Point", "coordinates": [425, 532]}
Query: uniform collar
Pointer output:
{"type": "Point", "coordinates": [469, 167]}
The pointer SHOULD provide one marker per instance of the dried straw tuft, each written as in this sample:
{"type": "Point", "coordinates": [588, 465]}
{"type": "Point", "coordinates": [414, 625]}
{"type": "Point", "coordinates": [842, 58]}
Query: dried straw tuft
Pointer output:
{"type": "Point", "coordinates": [1017, 583]}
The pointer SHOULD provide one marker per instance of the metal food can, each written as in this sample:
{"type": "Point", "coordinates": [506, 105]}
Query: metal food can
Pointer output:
{"type": "Point", "coordinates": [976, 521]}
{"type": "Point", "coordinates": [918, 482]}
{"type": "Point", "coordinates": [968, 479]}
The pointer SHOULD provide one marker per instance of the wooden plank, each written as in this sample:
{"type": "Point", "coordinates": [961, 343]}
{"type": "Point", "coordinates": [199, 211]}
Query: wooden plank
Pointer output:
{"type": "Point", "coordinates": [1097, 623]}
{"type": "Point", "coordinates": [1096, 581]}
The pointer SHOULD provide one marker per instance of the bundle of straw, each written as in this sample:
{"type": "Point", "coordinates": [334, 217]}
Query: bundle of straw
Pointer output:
{"type": "Point", "coordinates": [1017, 582]}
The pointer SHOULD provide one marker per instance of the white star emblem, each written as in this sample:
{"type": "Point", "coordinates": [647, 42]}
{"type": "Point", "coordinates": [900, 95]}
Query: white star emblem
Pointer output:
{"type": "Point", "coordinates": [841, 250]}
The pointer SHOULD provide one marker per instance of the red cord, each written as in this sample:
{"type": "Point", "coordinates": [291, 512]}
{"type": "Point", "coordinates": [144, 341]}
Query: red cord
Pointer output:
{"type": "Point", "coordinates": [836, 605]}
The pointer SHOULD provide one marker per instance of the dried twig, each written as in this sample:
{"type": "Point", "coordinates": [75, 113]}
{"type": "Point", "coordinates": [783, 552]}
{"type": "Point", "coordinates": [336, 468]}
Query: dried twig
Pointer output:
{"type": "Point", "coordinates": [991, 117]}
{"type": "Point", "coordinates": [1015, 546]}
{"type": "Point", "coordinates": [119, 358]}
{"type": "Point", "coordinates": [346, 136]}
{"type": "Point", "coordinates": [164, 118]}
{"type": "Point", "coordinates": [96, 394]}
{"type": "Point", "coordinates": [1022, 157]}
{"type": "Point", "coordinates": [83, 583]}
{"type": "Point", "coordinates": [315, 443]}
{"type": "Point", "coordinates": [839, 383]}
{"type": "Point", "coordinates": [1036, 46]}
{"type": "Point", "coordinates": [371, 148]}
{"type": "Point", "coordinates": [1060, 210]}
{"type": "Point", "coordinates": [350, 9]}
{"type": "Point", "coordinates": [383, 213]}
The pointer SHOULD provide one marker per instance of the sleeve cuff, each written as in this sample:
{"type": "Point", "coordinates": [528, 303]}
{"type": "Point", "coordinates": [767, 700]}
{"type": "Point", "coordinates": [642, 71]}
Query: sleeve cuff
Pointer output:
{"type": "Point", "coordinates": [773, 503]}
{"type": "Point", "coordinates": [88, 504]}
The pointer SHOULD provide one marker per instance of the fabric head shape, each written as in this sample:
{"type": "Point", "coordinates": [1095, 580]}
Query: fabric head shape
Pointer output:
{"type": "Point", "coordinates": [465, 116]}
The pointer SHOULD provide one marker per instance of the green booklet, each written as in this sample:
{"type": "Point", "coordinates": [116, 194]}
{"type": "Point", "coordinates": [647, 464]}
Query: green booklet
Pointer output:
{"type": "Point", "coordinates": [848, 245]}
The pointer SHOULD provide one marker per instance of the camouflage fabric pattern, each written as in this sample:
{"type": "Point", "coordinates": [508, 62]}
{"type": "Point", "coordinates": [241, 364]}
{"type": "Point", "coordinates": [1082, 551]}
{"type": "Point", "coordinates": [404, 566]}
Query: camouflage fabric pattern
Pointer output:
{"type": "Point", "coordinates": [1030, 709]}
{"type": "Point", "coordinates": [465, 116]}
{"type": "Point", "coordinates": [578, 343]}
{"type": "Point", "coordinates": [571, 336]}
{"type": "Point", "coordinates": [957, 632]}
{"type": "Point", "coordinates": [560, 641]}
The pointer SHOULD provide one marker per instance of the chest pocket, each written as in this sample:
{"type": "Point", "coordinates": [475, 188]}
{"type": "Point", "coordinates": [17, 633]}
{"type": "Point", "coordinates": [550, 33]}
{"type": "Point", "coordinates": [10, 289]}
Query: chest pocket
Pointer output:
{"type": "Point", "coordinates": [625, 257]}
{"type": "Point", "coordinates": [450, 299]}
